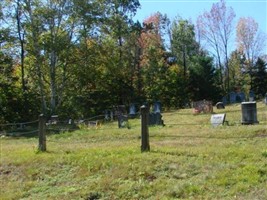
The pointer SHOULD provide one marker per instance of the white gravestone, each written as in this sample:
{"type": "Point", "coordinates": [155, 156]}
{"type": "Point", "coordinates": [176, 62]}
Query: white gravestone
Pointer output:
{"type": "Point", "coordinates": [217, 119]}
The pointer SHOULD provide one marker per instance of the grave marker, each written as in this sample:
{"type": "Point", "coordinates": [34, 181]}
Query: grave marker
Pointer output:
{"type": "Point", "coordinates": [217, 119]}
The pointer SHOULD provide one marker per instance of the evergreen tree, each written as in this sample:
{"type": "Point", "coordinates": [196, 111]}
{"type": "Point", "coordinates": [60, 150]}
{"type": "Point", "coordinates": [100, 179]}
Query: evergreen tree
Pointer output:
{"type": "Point", "coordinates": [203, 80]}
{"type": "Point", "coordinates": [259, 79]}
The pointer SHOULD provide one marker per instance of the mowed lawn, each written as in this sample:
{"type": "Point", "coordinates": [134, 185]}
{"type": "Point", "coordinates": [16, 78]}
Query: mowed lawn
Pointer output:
{"type": "Point", "coordinates": [189, 159]}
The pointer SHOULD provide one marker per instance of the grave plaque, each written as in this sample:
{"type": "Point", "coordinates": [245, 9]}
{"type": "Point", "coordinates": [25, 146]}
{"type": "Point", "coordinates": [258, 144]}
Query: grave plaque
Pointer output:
{"type": "Point", "coordinates": [217, 119]}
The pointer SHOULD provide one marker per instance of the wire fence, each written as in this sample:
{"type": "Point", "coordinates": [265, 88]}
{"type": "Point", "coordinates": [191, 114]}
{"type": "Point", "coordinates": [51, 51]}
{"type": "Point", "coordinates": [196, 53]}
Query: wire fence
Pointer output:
{"type": "Point", "coordinates": [102, 123]}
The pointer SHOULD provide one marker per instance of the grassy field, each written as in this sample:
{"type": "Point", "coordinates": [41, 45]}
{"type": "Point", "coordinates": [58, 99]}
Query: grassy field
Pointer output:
{"type": "Point", "coordinates": [189, 159]}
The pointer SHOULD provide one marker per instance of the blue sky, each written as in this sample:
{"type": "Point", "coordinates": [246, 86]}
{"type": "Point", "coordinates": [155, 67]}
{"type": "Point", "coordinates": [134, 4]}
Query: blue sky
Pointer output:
{"type": "Point", "coordinates": [191, 9]}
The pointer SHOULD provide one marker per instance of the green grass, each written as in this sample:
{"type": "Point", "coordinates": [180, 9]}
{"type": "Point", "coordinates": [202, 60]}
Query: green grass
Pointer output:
{"type": "Point", "coordinates": [188, 160]}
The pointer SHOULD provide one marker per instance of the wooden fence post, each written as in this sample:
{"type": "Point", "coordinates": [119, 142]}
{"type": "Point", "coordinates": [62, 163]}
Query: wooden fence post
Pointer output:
{"type": "Point", "coordinates": [144, 129]}
{"type": "Point", "coordinates": [42, 135]}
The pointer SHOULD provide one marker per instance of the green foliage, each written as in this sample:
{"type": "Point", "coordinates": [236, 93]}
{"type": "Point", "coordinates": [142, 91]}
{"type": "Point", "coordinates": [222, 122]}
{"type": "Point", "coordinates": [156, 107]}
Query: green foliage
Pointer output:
{"type": "Point", "coordinates": [202, 80]}
{"type": "Point", "coordinates": [81, 57]}
{"type": "Point", "coordinates": [10, 96]}
{"type": "Point", "coordinates": [259, 79]}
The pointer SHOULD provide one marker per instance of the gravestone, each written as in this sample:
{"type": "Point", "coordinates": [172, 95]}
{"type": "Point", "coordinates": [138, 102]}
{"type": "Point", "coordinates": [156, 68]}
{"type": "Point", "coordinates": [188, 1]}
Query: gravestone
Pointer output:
{"type": "Point", "coordinates": [224, 100]}
{"type": "Point", "coordinates": [123, 121]}
{"type": "Point", "coordinates": [217, 119]}
{"type": "Point", "coordinates": [111, 115]}
{"type": "Point", "coordinates": [132, 111]}
{"type": "Point", "coordinates": [54, 119]}
{"type": "Point", "coordinates": [121, 114]}
{"type": "Point", "coordinates": [202, 106]}
{"type": "Point", "coordinates": [249, 113]}
{"type": "Point", "coordinates": [220, 105]}
{"type": "Point", "coordinates": [106, 114]}
{"type": "Point", "coordinates": [251, 96]}
{"type": "Point", "coordinates": [157, 107]}
{"type": "Point", "coordinates": [232, 96]}
{"type": "Point", "coordinates": [70, 121]}
{"type": "Point", "coordinates": [242, 96]}
{"type": "Point", "coordinates": [155, 119]}
{"type": "Point", "coordinates": [266, 98]}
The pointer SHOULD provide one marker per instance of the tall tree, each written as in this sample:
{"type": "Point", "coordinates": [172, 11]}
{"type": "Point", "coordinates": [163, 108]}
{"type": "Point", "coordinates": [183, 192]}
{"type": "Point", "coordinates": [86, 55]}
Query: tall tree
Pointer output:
{"type": "Point", "coordinates": [203, 79]}
{"type": "Point", "coordinates": [259, 78]}
{"type": "Point", "coordinates": [216, 28]}
{"type": "Point", "coordinates": [250, 41]}
{"type": "Point", "coordinates": [183, 43]}
{"type": "Point", "coordinates": [152, 57]}
{"type": "Point", "coordinates": [239, 80]}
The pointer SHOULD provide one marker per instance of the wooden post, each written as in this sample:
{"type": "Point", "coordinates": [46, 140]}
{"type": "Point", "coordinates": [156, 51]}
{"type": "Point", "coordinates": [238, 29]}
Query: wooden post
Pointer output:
{"type": "Point", "coordinates": [42, 136]}
{"type": "Point", "coordinates": [144, 129]}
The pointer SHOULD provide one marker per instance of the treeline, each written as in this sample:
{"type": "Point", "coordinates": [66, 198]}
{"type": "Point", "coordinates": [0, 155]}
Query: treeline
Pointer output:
{"type": "Point", "coordinates": [75, 58]}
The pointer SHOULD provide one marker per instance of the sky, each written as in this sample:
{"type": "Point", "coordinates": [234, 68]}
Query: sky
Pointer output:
{"type": "Point", "coordinates": [191, 9]}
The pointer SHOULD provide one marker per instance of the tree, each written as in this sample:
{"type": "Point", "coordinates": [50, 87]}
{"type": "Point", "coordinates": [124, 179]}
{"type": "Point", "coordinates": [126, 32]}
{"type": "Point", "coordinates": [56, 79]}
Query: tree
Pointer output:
{"type": "Point", "coordinates": [203, 79]}
{"type": "Point", "coordinates": [250, 41]}
{"type": "Point", "coordinates": [259, 78]}
{"type": "Point", "coordinates": [216, 27]}
{"type": "Point", "coordinates": [183, 43]}
{"type": "Point", "coordinates": [152, 56]}
{"type": "Point", "coordinates": [10, 99]}
{"type": "Point", "coordinates": [239, 79]}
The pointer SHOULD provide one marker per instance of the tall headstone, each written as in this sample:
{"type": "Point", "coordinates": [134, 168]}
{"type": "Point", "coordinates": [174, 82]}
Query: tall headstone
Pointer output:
{"type": "Point", "coordinates": [157, 107]}
{"type": "Point", "coordinates": [132, 111]}
{"type": "Point", "coordinates": [224, 100]}
{"type": "Point", "coordinates": [106, 114]}
{"type": "Point", "coordinates": [242, 96]}
{"type": "Point", "coordinates": [232, 97]}
{"type": "Point", "coordinates": [249, 113]}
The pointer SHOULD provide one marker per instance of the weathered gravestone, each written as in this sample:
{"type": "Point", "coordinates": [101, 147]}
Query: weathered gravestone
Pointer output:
{"type": "Point", "coordinates": [224, 100]}
{"type": "Point", "coordinates": [155, 119]}
{"type": "Point", "coordinates": [217, 119]}
{"type": "Point", "coordinates": [54, 119]}
{"type": "Point", "coordinates": [157, 107]}
{"type": "Point", "coordinates": [249, 113]}
{"type": "Point", "coordinates": [202, 106]}
{"type": "Point", "coordinates": [121, 113]}
{"type": "Point", "coordinates": [220, 105]}
{"type": "Point", "coordinates": [251, 96]}
{"type": "Point", "coordinates": [232, 96]}
{"type": "Point", "coordinates": [241, 97]}
{"type": "Point", "coordinates": [123, 121]}
{"type": "Point", "coordinates": [106, 114]}
{"type": "Point", "coordinates": [132, 111]}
